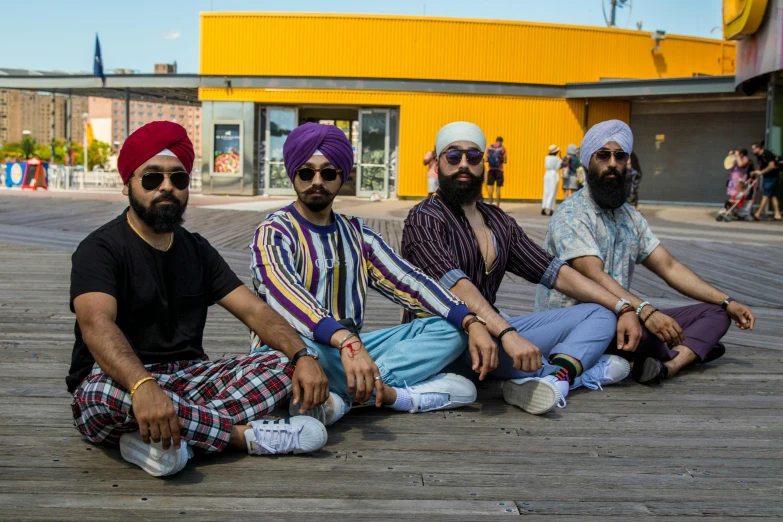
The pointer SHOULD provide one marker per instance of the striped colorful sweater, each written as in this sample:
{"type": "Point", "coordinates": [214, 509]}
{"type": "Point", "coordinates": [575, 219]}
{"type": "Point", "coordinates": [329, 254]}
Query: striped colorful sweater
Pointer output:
{"type": "Point", "coordinates": [299, 270]}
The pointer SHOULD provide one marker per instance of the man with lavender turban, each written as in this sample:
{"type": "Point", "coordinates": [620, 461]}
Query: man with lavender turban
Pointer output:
{"type": "Point", "coordinates": [603, 133]}
{"type": "Point", "coordinates": [315, 266]}
{"type": "Point", "coordinates": [313, 139]}
{"type": "Point", "coordinates": [603, 237]}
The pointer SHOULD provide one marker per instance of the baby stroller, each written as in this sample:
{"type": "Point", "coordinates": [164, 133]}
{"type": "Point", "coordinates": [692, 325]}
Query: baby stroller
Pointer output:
{"type": "Point", "coordinates": [741, 209]}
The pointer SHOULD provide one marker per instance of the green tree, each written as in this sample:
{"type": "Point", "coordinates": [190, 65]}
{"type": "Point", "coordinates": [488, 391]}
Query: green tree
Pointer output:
{"type": "Point", "coordinates": [28, 146]}
{"type": "Point", "coordinates": [98, 154]}
{"type": "Point", "coordinates": [10, 150]}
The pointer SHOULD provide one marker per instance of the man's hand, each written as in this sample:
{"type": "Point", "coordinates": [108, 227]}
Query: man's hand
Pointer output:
{"type": "Point", "coordinates": [629, 332]}
{"type": "Point", "coordinates": [755, 173]}
{"type": "Point", "coordinates": [156, 415]}
{"type": "Point", "coordinates": [483, 350]}
{"type": "Point", "coordinates": [665, 328]}
{"type": "Point", "coordinates": [526, 355]}
{"type": "Point", "coordinates": [311, 387]}
{"type": "Point", "coordinates": [361, 371]}
{"type": "Point", "coordinates": [741, 315]}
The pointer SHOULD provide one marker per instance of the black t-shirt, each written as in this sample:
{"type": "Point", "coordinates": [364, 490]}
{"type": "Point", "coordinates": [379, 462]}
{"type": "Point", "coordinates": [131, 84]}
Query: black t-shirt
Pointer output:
{"type": "Point", "coordinates": [162, 297]}
{"type": "Point", "coordinates": [764, 158]}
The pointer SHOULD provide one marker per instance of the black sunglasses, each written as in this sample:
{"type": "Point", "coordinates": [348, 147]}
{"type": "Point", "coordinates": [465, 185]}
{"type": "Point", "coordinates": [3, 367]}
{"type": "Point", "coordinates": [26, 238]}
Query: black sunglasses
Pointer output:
{"type": "Point", "coordinates": [619, 155]}
{"type": "Point", "coordinates": [152, 180]}
{"type": "Point", "coordinates": [328, 174]}
{"type": "Point", "coordinates": [454, 156]}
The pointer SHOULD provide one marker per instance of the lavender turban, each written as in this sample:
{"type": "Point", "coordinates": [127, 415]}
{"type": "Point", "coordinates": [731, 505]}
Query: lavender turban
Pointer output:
{"type": "Point", "coordinates": [305, 140]}
{"type": "Point", "coordinates": [601, 134]}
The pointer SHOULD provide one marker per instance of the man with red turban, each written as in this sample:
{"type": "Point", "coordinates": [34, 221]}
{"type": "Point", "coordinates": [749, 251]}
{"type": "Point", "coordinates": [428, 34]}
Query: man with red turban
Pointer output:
{"type": "Point", "coordinates": [314, 267]}
{"type": "Point", "coordinates": [140, 287]}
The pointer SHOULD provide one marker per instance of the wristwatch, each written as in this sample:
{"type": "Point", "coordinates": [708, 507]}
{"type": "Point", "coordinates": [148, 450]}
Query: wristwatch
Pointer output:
{"type": "Point", "coordinates": [725, 304]}
{"type": "Point", "coordinates": [304, 352]}
{"type": "Point", "coordinates": [474, 319]}
{"type": "Point", "coordinates": [620, 304]}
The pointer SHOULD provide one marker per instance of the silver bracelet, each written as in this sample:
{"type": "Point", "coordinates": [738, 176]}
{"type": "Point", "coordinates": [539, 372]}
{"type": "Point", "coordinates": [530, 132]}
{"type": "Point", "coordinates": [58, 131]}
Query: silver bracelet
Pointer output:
{"type": "Point", "coordinates": [348, 336]}
{"type": "Point", "coordinates": [641, 306]}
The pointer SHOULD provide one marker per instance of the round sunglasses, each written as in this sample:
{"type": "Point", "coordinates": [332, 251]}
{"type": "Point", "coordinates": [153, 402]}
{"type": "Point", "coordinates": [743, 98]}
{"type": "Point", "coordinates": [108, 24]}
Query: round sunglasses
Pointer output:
{"type": "Point", "coordinates": [153, 180]}
{"type": "Point", "coordinates": [454, 156]}
{"type": "Point", "coordinates": [619, 155]}
{"type": "Point", "coordinates": [308, 174]}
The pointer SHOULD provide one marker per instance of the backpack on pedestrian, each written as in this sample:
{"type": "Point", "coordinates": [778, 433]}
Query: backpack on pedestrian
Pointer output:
{"type": "Point", "coordinates": [495, 157]}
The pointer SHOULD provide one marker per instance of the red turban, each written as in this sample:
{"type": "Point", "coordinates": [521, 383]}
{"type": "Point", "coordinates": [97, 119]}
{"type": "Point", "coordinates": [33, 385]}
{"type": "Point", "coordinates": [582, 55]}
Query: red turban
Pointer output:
{"type": "Point", "coordinates": [151, 139]}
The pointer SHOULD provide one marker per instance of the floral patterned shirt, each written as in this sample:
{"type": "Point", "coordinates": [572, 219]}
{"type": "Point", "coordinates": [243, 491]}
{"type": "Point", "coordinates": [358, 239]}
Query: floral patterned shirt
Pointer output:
{"type": "Point", "coordinates": [621, 238]}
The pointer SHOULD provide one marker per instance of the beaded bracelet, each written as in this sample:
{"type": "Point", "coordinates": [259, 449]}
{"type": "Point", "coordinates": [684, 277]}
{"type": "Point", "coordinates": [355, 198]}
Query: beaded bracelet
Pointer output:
{"type": "Point", "coordinates": [644, 321]}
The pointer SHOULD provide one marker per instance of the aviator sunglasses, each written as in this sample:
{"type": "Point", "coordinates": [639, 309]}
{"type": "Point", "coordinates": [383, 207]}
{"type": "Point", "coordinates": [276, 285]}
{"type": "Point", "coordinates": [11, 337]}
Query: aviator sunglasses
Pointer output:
{"type": "Point", "coordinates": [152, 180]}
{"type": "Point", "coordinates": [328, 173]}
{"type": "Point", "coordinates": [619, 155]}
{"type": "Point", "coordinates": [454, 156]}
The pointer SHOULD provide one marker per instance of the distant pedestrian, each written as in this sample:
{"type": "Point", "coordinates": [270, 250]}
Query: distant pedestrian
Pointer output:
{"type": "Point", "coordinates": [633, 179]}
{"type": "Point", "coordinates": [496, 158]}
{"type": "Point", "coordinates": [768, 169]}
{"type": "Point", "coordinates": [570, 164]}
{"type": "Point", "coordinates": [552, 164]}
{"type": "Point", "coordinates": [431, 162]}
{"type": "Point", "coordinates": [739, 169]}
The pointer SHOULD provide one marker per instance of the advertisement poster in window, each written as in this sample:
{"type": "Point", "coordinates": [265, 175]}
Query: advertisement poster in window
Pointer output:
{"type": "Point", "coordinates": [228, 150]}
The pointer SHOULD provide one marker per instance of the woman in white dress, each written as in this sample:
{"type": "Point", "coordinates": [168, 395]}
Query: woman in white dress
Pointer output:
{"type": "Point", "coordinates": [552, 164]}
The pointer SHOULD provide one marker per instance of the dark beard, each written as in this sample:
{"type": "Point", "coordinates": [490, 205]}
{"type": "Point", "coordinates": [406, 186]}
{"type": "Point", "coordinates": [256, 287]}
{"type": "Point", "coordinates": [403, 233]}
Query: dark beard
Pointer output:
{"type": "Point", "coordinates": [607, 193]}
{"type": "Point", "coordinates": [461, 193]}
{"type": "Point", "coordinates": [161, 218]}
{"type": "Point", "coordinates": [317, 205]}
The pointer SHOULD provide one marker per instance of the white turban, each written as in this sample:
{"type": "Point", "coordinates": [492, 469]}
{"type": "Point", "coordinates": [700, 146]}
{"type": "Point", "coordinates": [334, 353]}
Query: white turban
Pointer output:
{"type": "Point", "coordinates": [459, 131]}
{"type": "Point", "coordinates": [601, 134]}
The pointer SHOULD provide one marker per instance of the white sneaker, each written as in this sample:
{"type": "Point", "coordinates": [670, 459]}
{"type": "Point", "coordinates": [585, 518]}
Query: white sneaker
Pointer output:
{"type": "Point", "coordinates": [298, 434]}
{"type": "Point", "coordinates": [327, 413]}
{"type": "Point", "coordinates": [536, 395]}
{"type": "Point", "coordinates": [608, 370]}
{"type": "Point", "coordinates": [444, 391]}
{"type": "Point", "coordinates": [152, 458]}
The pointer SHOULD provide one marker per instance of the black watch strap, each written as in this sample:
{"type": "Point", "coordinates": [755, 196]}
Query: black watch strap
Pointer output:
{"type": "Point", "coordinates": [726, 303]}
{"type": "Point", "coordinates": [298, 355]}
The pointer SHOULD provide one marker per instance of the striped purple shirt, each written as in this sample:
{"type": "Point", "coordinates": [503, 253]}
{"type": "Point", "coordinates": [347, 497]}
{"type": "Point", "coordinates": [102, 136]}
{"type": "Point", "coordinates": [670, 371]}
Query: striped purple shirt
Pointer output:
{"type": "Point", "coordinates": [438, 239]}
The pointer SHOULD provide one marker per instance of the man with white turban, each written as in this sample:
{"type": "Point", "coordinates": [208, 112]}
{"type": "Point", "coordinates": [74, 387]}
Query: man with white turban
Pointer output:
{"type": "Point", "coordinates": [315, 267]}
{"type": "Point", "coordinates": [140, 287]}
{"type": "Point", "coordinates": [603, 237]}
{"type": "Point", "coordinates": [470, 246]}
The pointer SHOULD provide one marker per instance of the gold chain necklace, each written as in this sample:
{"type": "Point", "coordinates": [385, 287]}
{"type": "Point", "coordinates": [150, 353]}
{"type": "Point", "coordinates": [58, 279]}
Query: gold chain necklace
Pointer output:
{"type": "Point", "coordinates": [171, 240]}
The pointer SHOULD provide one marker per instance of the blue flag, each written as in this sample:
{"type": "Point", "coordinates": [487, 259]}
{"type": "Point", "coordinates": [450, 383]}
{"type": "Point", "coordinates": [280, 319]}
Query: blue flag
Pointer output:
{"type": "Point", "coordinates": [97, 66]}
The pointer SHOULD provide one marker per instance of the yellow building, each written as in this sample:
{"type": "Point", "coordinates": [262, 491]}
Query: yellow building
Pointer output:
{"type": "Point", "coordinates": [390, 82]}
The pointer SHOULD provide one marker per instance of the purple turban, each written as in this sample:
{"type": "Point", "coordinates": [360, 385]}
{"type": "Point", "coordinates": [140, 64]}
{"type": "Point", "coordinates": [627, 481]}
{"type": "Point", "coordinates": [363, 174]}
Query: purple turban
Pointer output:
{"type": "Point", "coordinates": [330, 141]}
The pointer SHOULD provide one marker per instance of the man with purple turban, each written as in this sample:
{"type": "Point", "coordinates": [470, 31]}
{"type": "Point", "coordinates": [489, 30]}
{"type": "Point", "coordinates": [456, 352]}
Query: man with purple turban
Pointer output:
{"type": "Point", "coordinates": [314, 266]}
{"type": "Point", "coordinates": [603, 237]}
{"type": "Point", "coordinates": [140, 287]}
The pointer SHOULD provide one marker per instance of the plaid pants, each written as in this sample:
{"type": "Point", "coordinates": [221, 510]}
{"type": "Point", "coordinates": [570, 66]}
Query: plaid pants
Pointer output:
{"type": "Point", "coordinates": [210, 397]}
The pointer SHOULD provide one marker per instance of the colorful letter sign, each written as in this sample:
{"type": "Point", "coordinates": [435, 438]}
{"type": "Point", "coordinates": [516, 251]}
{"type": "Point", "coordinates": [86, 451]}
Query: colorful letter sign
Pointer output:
{"type": "Point", "coordinates": [742, 18]}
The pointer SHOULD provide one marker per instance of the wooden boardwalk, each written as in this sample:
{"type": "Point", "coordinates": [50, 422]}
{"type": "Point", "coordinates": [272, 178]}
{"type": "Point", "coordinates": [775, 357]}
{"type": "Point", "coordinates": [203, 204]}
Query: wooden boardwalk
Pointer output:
{"type": "Point", "coordinates": [706, 444]}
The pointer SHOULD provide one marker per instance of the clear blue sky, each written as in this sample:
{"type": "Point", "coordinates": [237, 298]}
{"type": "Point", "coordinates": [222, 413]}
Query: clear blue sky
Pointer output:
{"type": "Point", "coordinates": [135, 34]}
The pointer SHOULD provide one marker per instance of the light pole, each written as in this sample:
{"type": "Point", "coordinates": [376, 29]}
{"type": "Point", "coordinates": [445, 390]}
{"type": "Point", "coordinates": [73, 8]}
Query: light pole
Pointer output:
{"type": "Point", "coordinates": [85, 117]}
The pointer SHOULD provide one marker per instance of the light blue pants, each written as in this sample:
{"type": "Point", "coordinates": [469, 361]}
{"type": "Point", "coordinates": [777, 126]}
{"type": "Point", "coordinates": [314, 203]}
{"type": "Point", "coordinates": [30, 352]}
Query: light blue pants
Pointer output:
{"type": "Point", "coordinates": [582, 331]}
{"type": "Point", "coordinates": [405, 354]}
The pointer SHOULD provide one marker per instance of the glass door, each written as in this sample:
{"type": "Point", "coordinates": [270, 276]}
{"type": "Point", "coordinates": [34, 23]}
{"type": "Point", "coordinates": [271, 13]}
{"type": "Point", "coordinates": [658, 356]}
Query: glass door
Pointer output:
{"type": "Point", "coordinates": [280, 122]}
{"type": "Point", "coordinates": [372, 171]}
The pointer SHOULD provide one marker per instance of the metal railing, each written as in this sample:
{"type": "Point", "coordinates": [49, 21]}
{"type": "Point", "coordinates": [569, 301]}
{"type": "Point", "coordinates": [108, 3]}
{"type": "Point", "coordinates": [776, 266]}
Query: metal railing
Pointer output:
{"type": "Point", "coordinates": [63, 178]}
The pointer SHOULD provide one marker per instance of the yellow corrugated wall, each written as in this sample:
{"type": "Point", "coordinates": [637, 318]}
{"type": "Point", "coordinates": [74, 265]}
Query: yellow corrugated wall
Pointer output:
{"type": "Point", "coordinates": [268, 44]}
{"type": "Point", "coordinates": [528, 126]}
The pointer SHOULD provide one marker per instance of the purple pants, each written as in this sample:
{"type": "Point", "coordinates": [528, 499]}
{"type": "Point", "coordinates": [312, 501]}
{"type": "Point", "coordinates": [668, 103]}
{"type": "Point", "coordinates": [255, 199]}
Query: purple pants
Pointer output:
{"type": "Point", "coordinates": [703, 326]}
